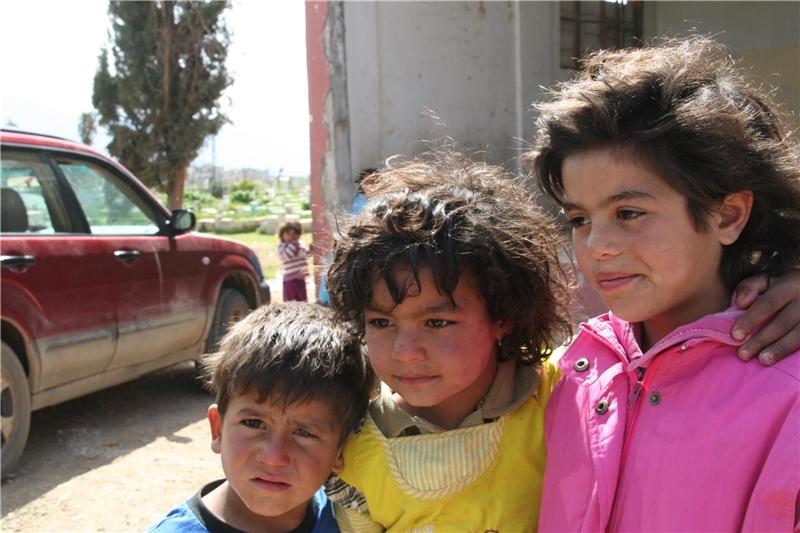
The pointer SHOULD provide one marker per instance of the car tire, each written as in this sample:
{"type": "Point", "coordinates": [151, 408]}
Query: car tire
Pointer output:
{"type": "Point", "coordinates": [15, 409]}
{"type": "Point", "coordinates": [231, 307]}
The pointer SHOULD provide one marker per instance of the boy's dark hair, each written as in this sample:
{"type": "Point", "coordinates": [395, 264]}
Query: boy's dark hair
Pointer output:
{"type": "Point", "coordinates": [293, 352]}
{"type": "Point", "coordinates": [453, 215]}
{"type": "Point", "coordinates": [287, 225]}
{"type": "Point", "coordinates": [684, 111]}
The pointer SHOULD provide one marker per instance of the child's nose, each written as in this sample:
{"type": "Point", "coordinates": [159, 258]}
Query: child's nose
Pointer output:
{"type": "Point", "coordinates": [274, 450]}
{"type": "Point", "coordinates": [408, 347]}
{"type": "Point", "coordinates": [601, 241]}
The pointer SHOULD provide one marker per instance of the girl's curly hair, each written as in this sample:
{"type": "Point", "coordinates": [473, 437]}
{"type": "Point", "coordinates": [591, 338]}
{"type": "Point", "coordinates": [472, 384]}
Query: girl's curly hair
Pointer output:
{"type": "Point", "coordinates": [448, 213]}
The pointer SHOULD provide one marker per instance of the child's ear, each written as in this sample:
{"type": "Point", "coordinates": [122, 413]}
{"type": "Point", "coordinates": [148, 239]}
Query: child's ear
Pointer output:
{"type": "Point", "coordinates": [215, 421]}
{"type": "Point", "coordinates": [338, 464]}
{"type": "Point", "coordinates": [502, 328]}
{"type": "Point", "coordinates": [733, 215]}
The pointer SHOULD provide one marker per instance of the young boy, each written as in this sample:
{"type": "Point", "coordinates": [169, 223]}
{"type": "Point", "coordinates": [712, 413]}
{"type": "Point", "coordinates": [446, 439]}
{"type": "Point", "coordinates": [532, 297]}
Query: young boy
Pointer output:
{"type": "Point", "coordinates": [290, 385]}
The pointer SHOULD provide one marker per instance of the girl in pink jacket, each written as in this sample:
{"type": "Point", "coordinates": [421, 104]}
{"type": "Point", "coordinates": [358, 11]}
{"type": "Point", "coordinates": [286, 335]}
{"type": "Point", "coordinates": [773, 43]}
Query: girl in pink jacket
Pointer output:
{"type": "Point", "coordinates": [678, 179]}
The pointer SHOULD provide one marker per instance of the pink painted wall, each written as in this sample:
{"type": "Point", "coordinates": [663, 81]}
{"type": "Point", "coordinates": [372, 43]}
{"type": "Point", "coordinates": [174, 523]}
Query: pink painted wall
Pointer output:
{"type": "Point", "coordinates": [318, 86]}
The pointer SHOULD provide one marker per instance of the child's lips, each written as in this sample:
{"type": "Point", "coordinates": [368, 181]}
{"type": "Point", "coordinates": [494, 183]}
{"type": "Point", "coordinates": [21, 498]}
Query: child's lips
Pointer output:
{"type": "Point", "coordinates": [415, 379]}
{"type": "Point", "coordinates": [270, 483]}
{"type": "Point", "coordinates": [607, 281]}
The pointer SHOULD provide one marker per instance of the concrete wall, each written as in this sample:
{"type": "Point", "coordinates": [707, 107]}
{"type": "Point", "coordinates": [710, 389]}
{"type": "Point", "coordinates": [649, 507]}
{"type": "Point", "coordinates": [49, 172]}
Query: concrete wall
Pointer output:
{"type": "Point", "coordinates": [474, 65]}
{"type": "Point", "coordinates": [766, 35]}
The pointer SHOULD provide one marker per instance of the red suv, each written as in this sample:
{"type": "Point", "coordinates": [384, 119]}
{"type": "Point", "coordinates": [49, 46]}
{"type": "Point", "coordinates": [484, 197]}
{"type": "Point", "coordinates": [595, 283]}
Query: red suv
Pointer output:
{"type": "Point", "coordinates": [100, 283]}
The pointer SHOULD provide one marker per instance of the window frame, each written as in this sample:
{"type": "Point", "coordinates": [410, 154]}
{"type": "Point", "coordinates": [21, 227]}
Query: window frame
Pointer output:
{"type": "Point", "coordinates": [141, 197]}
{"type": "Point", "coordinates": [613, 28]}
{"type": "Point", "coordinates": [70, 219]}
{"type": "Point", "coordinates": [123, 186]}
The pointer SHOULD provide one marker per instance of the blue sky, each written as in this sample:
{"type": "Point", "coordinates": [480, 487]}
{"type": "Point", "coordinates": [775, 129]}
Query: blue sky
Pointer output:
{"type": "Point", "coordinates": [48, 57]}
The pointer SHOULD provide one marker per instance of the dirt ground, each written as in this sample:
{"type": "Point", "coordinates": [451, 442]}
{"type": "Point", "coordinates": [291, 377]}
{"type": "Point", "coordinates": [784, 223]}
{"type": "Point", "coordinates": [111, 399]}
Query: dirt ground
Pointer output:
{"type": "Point", "coordinates": [116, 460]}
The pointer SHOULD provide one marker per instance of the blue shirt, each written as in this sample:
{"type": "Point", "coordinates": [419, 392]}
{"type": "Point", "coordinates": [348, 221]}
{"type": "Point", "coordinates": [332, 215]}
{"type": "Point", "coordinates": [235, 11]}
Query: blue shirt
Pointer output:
{"type": "Point", "coordinates": [192, 516]}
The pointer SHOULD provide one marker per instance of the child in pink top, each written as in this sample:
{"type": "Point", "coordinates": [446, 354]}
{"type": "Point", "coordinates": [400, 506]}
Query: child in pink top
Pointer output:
{"type": "Point", "coordinates": [679, 179]}
{"type": "Point", "coordinates": [294, 258]}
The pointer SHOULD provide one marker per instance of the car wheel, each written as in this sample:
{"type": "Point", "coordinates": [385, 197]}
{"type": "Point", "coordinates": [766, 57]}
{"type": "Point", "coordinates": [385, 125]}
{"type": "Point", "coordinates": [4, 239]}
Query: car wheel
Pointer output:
{"type": "Point", "coordinates": [15, 408]}
{"type": "Point", "coordinates": [232, 306]}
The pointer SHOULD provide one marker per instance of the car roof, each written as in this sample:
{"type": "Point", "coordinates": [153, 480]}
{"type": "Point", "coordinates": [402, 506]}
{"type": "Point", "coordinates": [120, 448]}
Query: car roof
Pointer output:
{"type": "Point", "coordinates": [18, 138]}
{"type": "Point", "coordinates": [39, 139]}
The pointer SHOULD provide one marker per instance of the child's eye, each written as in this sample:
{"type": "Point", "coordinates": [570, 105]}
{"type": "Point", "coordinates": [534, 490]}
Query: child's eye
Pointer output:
{"type": "Point", "coordinates": [379, 323]}
{"type": "Point", "coordinates": [438, 323]}
{"type": "Point", "coordinates": [305, 434]}
{"type": "Point", "coordinates": [629, 214]}
{"type": "Point", "coordinates": [253, 423]}
{"type": "Point", "coordinates": [578, 221]}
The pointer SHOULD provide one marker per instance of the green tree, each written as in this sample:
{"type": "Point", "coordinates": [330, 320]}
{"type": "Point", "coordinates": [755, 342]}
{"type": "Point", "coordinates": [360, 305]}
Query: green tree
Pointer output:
{"type": "Point", "coordinates": [162, 97]}
{"type": "Point", "coordinates": [87, 126]}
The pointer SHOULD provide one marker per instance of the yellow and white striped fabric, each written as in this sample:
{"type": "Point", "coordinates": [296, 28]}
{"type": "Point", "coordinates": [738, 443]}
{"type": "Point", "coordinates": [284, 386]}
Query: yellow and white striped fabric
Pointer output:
{"type": "Point", "coordinates": [434, 465]}
{"type": "Point", "coordinates": [480, 478]}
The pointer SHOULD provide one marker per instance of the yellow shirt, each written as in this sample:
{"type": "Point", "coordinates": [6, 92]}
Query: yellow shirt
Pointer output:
{"type": "Point", "coordinates": [484, 477]}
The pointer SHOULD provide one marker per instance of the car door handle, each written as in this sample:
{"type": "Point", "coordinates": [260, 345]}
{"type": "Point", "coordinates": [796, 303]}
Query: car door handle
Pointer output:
{"type": "Point", "coordinates": [17, 261]}
{"type": "Point", "coordinates": [127, 256]}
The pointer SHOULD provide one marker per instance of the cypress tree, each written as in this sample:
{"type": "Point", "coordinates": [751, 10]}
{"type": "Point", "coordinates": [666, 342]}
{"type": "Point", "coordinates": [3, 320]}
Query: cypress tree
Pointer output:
{"type": "Point", "coordinates": [161, 100]}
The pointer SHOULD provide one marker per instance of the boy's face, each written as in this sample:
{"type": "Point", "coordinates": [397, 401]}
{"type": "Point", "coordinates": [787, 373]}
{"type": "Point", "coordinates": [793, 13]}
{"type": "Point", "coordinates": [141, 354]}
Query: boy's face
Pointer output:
{"type": "Point", "coordinates": [289, 235]}
{"type": "Point", "coordinates": [637, 246]}
{"type": "Point", "coordinates": [439, 360]}
{"type": "Point", "coordinates": [274, 459]}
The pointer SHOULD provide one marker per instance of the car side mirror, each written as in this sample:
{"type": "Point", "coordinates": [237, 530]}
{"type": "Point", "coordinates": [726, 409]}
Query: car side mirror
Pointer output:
{"type": "Point", "coordinates": [182, 221]}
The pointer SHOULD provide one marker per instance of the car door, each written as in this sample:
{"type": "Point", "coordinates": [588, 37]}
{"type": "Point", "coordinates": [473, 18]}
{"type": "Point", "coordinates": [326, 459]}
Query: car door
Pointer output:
{"type": "Point", "coordinates": [156, 315]}
{"type": "Point", "coordinates": [56, 281]}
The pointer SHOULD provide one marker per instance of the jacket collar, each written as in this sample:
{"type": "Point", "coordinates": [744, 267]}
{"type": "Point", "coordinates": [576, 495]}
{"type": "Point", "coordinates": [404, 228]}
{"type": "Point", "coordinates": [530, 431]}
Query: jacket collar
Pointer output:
{"type": "Point", "coordinates": [623, 337]}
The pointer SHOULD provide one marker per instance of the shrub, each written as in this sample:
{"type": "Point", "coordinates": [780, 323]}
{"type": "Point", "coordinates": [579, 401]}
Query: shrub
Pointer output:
{"type": "Point", "coordinates": [217, 189]}
{"type": "Point", "coordinates": [242, 196]}
{"type": "Point", "coordinates": [244, 185]}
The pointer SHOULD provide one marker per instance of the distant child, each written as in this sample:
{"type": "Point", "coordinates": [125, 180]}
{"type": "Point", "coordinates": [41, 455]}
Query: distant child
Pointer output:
{"type": "Point", "coordinates": [294, 258]}
{"type": "Point", "coordinates": [291, 385]}
{"type": "Point", "coordinates": [678, 179]}
{"type": "Point", "coordinates": [452, 276]}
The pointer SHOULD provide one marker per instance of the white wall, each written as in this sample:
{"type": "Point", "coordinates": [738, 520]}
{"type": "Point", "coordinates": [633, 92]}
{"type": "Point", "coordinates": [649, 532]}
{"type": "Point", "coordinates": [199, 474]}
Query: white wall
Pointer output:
{"type": "Point", "coordinates": [765, 34]}
{"type": "Point", "coordinates": [476, 65]}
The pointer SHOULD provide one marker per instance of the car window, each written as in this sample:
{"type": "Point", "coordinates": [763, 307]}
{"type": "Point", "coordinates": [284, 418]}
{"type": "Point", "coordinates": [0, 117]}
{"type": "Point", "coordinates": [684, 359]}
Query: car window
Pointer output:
{"type": "Point", "coordinates": [110, 206]}
{"type": "Point", "coordinates": [30, 196]}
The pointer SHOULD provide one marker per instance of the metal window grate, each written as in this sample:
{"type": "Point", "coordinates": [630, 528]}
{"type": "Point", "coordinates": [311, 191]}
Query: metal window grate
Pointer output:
{"type": "Point", "coordinates": [594, 25]}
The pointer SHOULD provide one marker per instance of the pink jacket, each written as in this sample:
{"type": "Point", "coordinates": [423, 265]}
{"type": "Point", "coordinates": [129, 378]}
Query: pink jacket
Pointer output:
{"type": "Point", "coordinates": [686, 437]}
